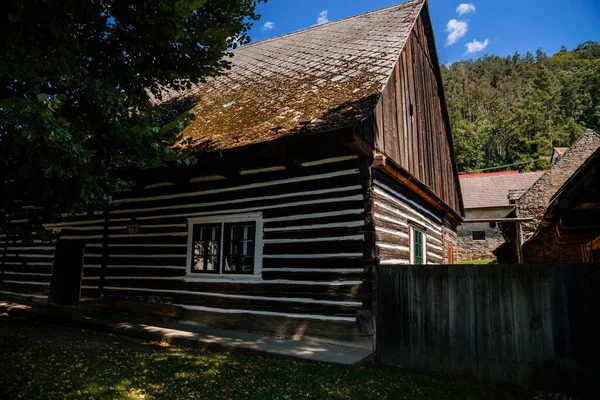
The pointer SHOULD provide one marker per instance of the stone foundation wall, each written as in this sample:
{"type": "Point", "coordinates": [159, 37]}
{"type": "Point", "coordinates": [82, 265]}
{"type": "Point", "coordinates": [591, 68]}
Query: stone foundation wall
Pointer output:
{"type": "Point", "coordinates": [546, 250]}
{"type": "Point", "coordinates": [478, 249]}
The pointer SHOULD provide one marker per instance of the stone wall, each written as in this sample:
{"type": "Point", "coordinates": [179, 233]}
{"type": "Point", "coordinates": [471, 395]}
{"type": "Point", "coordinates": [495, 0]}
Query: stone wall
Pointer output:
{"type": "Point", "coordinates": [544, 249]}
{"type": "Point", "coordinates": [481, 249]}
{"type": "Point", "coordinates": [535, 201]}
{"type": "Point", "coordinates": [478, 249]}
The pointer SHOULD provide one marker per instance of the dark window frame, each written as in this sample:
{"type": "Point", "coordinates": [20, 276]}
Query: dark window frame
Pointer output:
{"type": "Point", "coordinates": [247, 244]}
{"type": "Point", "coordinates": [196, 236]}
{"type": "Point", "coordinates": [478, 235]}
{"type": "Point", "coordinates": [228, 243]}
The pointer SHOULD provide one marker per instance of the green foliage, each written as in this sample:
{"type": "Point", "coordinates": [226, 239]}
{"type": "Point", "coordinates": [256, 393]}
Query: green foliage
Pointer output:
{"type": "Point", "coordinates": [514, 109]}
{"type": "Point", "coordinates": [77, 84]}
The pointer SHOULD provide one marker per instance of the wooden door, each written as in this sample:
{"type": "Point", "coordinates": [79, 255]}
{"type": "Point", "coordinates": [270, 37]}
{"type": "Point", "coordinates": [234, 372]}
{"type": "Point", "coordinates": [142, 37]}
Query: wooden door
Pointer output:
{"type": "Point", "coordinates": [65, 285]}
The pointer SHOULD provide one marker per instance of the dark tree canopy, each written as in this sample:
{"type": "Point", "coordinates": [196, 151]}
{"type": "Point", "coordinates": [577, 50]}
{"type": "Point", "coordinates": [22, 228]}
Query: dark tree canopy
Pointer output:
{"type": "Point", "coordinates": [509, 110]}
{"type": "Point", "coordinates": [76, 80]}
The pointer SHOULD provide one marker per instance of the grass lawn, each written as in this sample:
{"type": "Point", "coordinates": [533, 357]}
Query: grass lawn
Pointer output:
{"type": "Point", "coordinates": [50, 362]}
{"type": "Point", "coordinates": [476, 262]}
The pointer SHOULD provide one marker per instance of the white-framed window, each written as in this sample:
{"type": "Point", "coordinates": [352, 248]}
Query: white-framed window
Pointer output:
{"type": "Point", "coordinates": [225, 247]}
{"type": "Point", "coordinates": [418, 245]}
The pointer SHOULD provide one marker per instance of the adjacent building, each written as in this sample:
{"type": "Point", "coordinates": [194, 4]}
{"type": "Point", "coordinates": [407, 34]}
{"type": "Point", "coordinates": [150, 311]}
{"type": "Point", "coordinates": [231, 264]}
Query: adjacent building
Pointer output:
{"type": "Point", "coordinates": [535, 205]}
{"type": "Point", "coordinates": [570, 228]}
{"type": "Point", "coordinates": [489, 196]}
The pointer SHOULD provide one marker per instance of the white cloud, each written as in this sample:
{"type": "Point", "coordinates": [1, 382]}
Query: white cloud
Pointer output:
{"type": "Point", "coordinates": [322, 17]}
{"type": "Point", "coordinates": [456, 29]}
{"type": "Point", "coordinates": [476, 46]}
{"type": "Point", "coordinates": [267, 26]}
{"type": "Point", "coordinates": [465, 8]}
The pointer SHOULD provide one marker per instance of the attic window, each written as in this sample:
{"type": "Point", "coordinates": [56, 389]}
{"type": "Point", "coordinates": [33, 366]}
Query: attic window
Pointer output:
{"type": "Point", "coordinates": [229, 104]}
{"type": "Point", "coordinates": [337, 78]}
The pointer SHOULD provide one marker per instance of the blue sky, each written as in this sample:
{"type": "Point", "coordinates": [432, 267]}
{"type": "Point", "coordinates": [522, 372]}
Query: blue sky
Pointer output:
{"type": "Point", "coordinates": [486, 26]}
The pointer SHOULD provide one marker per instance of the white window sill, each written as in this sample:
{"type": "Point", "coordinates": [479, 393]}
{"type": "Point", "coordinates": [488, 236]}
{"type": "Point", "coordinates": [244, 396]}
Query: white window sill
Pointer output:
{"type": "Point", "coordinates": [222, 278]}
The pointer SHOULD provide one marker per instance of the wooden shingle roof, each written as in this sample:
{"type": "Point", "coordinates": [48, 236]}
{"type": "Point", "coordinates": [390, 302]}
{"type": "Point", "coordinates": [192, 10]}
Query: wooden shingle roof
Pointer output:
{"type": "Point", "coordinates": [317, 79]}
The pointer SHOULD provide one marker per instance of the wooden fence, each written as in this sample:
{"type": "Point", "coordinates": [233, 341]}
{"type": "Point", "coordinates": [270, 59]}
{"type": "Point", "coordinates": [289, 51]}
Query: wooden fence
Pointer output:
{"type": "Point", "coordinates": [532, 325]}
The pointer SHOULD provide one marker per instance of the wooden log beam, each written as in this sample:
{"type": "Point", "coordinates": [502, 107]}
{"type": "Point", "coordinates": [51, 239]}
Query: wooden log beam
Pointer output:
{"type": "Point", "coordinates": [356, 143]}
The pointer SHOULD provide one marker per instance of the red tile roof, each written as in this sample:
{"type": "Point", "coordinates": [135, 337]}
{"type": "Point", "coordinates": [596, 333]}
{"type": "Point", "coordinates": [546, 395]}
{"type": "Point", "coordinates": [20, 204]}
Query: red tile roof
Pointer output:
{"type": "Point", "coordinates": [488, 174]}
{"type": "Point", "coordinates": [491, 190]}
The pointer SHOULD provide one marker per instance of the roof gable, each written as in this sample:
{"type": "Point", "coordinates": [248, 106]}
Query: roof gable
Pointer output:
{"type": "Point", "coordinates": [318, 79]}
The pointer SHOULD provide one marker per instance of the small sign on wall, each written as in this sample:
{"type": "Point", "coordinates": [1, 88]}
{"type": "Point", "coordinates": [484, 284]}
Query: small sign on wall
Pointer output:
{"type": "Point", "coordinates": [134, 228]}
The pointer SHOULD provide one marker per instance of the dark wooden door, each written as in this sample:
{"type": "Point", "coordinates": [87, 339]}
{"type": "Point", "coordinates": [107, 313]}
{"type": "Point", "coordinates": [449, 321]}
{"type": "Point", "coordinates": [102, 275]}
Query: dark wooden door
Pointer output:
{"type": "Point", "coordinates": [65, 285]}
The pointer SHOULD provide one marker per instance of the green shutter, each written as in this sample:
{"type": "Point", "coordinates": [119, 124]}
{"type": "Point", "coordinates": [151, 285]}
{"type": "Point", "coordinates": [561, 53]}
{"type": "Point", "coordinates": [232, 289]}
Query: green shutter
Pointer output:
{"type": "Point", "coordinates": [418, 246]}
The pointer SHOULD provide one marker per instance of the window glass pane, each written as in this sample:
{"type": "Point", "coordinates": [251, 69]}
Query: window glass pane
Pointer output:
{"type": "Point", "coordinates": [239, 248]}
{"type": "Point", "coordinates": [206, 247]}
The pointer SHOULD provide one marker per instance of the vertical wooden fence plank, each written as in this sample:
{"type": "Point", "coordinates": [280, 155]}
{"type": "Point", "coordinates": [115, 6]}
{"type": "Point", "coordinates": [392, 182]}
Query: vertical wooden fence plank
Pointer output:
{"type": "Point", "coordinates": [507, 316]}
{"type": "Point", "coordinates": [496, 351]}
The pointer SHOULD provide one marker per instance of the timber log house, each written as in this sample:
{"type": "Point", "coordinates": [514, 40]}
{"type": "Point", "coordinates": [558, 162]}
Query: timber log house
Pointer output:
{"type": "Point", "coordinates": [322, 154]}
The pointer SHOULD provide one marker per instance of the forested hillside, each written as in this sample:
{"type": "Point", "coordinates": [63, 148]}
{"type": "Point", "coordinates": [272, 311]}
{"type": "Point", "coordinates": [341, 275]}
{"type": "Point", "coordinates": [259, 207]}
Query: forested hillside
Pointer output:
{"type": "Point", "coordinates": [515, 109]}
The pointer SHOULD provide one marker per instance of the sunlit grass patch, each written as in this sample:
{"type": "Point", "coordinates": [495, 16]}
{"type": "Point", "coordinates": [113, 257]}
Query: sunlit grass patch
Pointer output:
{"type": "Point", "coordinates": [44, 369]}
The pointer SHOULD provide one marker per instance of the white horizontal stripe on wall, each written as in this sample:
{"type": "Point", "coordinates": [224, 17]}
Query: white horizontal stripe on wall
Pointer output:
{"type": "Point", "coordinates": [236, 201]}
{"type": "Point", "coordinates": [237, 296]}
{"type": "Point", "coordinates": [25, 273]}
{"type": "Point", "coordinates": [165, 226]}
{"type": "Point", "coordinates": [10, 241]}
{"type": "Point", "coordinates": [37, 296]}
{"type": "Point", "coordinates": [18, 221]}
{"type": "Point", "coordinates": [414, 214]}
{"type": "Point", "coordinates": [136, 245]}
{"type": "Point", "coordinates": [318, 226]}
{"type": "Point", "coordinates": [391, 232]}
{"type": "Point", "coordinates": [243, 187]}
{"type": "Point", "coordinates": [316, 270]}
{"type": "Point", "coordinates": [246, 210]}
{"type": "Point", "coordinates": [434, 239]}
{"type": "Point", "coordinates": [93, 228]}
{"type": "Point", "coordinates": [392, 246]}
{"type": "Point", "coordinates": [267, 313]}
{"type": "Point", "coordinates": [329, 161]}
{"type": "Point", "coordinates": [147, 255]}
{"type": "Point", "coordinates": [81, 237]}
{"type": "Point", "coordinates": [248, 282]}
{"type": "Point", "coordinates": [394, 221]}
{"type": "Point", "coordinates": [311, 240]}
{"type": "Point", "coordinates": [302, 256]}
{"type": "Point", "coordinates": [262, 170]}
{"type": "Point", "coordinates": [28, 283]}
{"type": "Point", "coordinates": [109, 266]}
{"type": "Point", "coordinates": [412, 203]}
{"type": "Point", "coordinates": [316, 215]}
{"type": "Point", "coordinates": [409, 215]}
{"type": "Point", "coordinates": [392, 262]}
{"type": "Point", "coordinates": [28, 263]}
{"type": "Point", "coordinates": [159, 185]}
{"type": "Point", "coordinates": [26, 255]}
{"type": "Point", "coordinates": [207, 178]}
{"type": "Point", "coordinates": [30, 248]}
{"type": "Point", "coordinates": [125, 235]}
{"type": "Point", "coordinates": [429, 245]}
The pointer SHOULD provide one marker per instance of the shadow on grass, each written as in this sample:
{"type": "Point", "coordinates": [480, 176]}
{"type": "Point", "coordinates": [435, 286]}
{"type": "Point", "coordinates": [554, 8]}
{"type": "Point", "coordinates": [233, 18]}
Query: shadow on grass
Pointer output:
{"type": "Point", "coordinates": [43, 368]}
